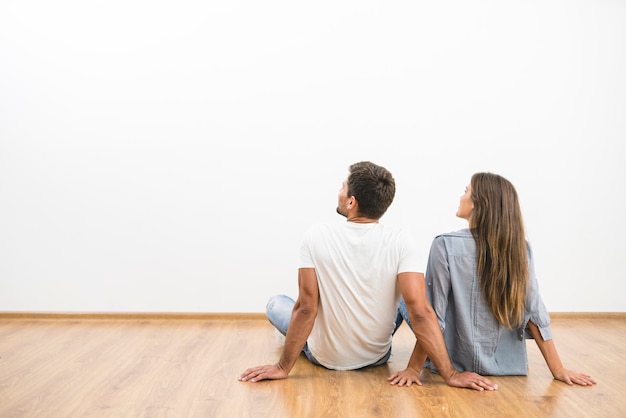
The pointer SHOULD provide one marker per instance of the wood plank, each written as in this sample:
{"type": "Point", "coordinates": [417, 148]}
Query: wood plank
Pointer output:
{"type": "Point", "coordinates": [189, 368]}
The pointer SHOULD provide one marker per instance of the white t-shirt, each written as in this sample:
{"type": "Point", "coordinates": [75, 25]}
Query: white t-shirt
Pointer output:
{"type": "Point", "coordinates": [357, 267]}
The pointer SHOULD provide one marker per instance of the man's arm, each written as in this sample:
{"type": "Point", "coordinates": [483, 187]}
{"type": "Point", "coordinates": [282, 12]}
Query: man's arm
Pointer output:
{"type": "Point", "coordinates": [430, 338]}
{"type": "Point", "coordinates": [300, 326]}
{"type": "Point", "coordinates": [413, 370]}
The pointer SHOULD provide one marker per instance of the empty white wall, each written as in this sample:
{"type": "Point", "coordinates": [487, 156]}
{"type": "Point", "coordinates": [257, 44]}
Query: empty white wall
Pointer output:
{"type": "Point", "coordinates": [167, 156]}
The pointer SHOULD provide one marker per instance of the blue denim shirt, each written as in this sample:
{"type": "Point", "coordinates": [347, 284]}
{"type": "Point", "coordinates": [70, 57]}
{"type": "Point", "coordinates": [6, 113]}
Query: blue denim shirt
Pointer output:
{"type": "Point", "coordinates": [475, 340]}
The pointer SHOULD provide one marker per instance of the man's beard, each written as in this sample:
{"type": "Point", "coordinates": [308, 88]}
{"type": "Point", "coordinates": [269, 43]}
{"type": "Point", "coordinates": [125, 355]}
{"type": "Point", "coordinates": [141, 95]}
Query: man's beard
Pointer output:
{"type": "Point", "coordinates": [342, 214]}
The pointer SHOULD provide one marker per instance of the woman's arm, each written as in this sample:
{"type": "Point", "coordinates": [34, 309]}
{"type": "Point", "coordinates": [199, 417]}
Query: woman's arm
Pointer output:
{"type": "Point", "coordinates": [551, 356]}
{"type": "Point", "coordinates": [438, 281]}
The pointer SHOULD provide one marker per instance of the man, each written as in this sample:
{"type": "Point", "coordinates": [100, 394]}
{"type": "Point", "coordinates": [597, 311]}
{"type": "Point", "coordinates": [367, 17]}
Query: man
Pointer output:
{"type": "Point", "coordinates": [350, 280]}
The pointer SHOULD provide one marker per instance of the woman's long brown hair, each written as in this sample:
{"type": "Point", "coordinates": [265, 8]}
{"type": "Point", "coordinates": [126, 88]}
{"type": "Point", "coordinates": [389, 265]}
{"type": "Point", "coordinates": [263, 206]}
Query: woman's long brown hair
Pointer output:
{"type": "Point", "coordinates": [502, 260]}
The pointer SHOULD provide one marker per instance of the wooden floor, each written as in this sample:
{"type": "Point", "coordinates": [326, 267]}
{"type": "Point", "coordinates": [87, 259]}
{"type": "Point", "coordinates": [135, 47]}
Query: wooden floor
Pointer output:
{"type": "Point", "coordinates": [189, 368]}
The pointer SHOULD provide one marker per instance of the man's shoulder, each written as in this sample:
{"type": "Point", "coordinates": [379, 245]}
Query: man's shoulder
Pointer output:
{"type": "Point", "coordinates": [322, 228]}
{"type": "Point", "coordinates": [323, 225]}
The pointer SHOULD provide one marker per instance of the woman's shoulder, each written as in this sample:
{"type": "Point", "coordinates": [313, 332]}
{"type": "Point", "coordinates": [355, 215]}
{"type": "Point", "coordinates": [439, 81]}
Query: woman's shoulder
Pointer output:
{"type": "Point", "coordinates": [459, 242]}
{"type": "Point", "coordinates": [461, 233]}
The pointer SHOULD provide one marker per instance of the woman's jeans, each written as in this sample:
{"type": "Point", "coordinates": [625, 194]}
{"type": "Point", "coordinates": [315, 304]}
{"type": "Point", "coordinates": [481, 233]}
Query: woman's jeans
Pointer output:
{"type": "Point", "coordinates": [280, 307]}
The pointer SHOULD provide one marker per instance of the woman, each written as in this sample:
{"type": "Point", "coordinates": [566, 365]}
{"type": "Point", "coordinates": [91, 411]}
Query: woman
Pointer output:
{"type": "Point", "coordinates": [482, 285]}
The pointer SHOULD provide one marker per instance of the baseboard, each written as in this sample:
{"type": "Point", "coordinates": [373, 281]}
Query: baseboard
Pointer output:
{"type": "Point", "coordinates": [134, 315]}
{"type": "Point", "coordinates": [233, 315]}
{"type": "Point", "coordinates": [588, 315]}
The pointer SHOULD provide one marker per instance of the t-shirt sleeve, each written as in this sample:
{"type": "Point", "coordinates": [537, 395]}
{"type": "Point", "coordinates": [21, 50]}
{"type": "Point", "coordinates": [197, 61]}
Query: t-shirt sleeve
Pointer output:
{"type": "Point", "coordinates": [410, 260]}
{"type": "Point", "coordinates": [306, 258]}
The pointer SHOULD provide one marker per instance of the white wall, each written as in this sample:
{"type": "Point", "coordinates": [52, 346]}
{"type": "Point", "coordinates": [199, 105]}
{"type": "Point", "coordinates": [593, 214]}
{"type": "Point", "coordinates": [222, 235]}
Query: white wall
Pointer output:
{"type": "Point", "coordinates": [167, 156]}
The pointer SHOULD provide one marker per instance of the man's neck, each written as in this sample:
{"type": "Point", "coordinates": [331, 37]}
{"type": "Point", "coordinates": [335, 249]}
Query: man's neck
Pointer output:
{"type": "Point", "coordinates": [362, 220]}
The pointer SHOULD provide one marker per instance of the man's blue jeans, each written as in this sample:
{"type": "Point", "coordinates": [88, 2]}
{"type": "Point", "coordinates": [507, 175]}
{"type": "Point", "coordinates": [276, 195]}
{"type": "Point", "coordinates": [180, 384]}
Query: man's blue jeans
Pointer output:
{"type": "Point", "coordinates": [279, 308]}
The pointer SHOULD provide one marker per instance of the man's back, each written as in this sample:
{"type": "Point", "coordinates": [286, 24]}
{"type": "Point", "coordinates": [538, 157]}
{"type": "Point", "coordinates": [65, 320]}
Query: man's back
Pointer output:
{"type": "Point", "coordinates": [357, 266]}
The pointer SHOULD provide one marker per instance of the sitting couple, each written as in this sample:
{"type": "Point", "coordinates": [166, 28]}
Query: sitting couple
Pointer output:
{"type": "Point", "coordinates": [360, 279]}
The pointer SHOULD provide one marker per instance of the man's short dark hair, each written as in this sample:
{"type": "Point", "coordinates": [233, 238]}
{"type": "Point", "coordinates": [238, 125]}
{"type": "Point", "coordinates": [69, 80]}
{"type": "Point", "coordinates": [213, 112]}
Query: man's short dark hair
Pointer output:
{"type": "Point", "coordinates": [373, 187]}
